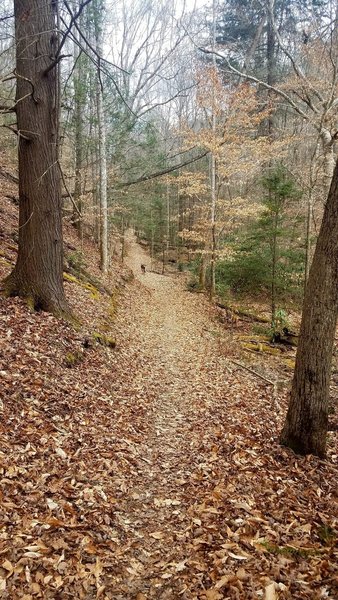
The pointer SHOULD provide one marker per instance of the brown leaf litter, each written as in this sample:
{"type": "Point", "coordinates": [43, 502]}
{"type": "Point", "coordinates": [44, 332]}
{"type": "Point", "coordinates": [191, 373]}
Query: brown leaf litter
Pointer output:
{"type": "Point", "coordinates": [152, 470]}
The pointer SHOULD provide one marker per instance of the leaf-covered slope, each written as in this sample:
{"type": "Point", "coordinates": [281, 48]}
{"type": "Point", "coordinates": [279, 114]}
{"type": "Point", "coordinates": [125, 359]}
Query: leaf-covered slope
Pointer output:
{"type": "Point", "coordinates": [152, 470]}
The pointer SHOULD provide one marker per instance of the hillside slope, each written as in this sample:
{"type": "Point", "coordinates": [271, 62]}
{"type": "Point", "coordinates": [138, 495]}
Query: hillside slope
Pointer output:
{"type": "Point", "coordinates": [138, 462]}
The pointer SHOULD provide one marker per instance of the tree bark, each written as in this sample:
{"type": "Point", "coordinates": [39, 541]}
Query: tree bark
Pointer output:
{"type": "Point", "coordinates": [306, 423]}
{"type": "Point", "coordinates": [329, 161]}
{"type": "Point", "coordinates": [38, 273]}
{"type": "Point", "coordinates": [102, 147]}
{"type": "Point", "coordinates": [79, 107]}
{"type": "Point", "coordinates": [213, 171]}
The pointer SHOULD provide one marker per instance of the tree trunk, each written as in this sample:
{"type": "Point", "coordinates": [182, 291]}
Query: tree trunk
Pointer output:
{"type": "Point", "coordinates": [329, 160]}
{"type": "Point", "coordinates": [102, 148]}
{"type": "Point", "coordinates": [308, 237]}
{"type": "Point", "coordinates": [305, 427]}
{"type": "Point", "coordinates": [213, 171]}
{"type": "Point", "coordinates": [103, 183]}
{"type": "Point", "coordinates": [202, 272]}
{"type": "Point", "coordinates": [79, 107]}
{"type": "Point", "coordinates": [273, 273]}
{"type": "Point", "coordinates": [38, 273]}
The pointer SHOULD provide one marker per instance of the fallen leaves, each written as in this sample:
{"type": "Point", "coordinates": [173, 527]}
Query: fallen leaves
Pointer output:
{"type": "Point", "coordinates": [157, 535]}
{"type": "Point", "coordinates": [151, 471]}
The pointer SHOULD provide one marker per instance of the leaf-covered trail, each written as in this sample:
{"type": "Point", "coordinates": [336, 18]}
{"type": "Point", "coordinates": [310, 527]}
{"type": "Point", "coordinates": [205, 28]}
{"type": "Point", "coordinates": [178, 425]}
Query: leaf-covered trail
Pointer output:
{"type": "Point", "coordinates": [209, 489]}
{"type": "Point", "coordinates": [180, 344]}
{"type": "Point", "coordinates": [151, 471]}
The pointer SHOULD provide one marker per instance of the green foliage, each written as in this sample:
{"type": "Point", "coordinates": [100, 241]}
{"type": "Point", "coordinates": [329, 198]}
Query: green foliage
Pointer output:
{"type": "Point", "coordinates": [151, 219]}
{"type": "Point", "coordinates": [260, 329]}
{"type": "Point", "coordinates": [327, 534]}
{"type": "Point", "coordinates": [104, 340]}
{"type": "Point", "coordinates": [73, 359]}
{"type": "Point", "coordinates": [279, 323]}
{"type": "Point", "coordinates": [76, 260]}
{"type": "Point", "coordinates": [193, 285]}
{"type": "Point", "coordinates": [268, 249]}
{"type": "Point", "coordinates": [288, 551]}
{"type": "Point", "coordinates": [246, 272]}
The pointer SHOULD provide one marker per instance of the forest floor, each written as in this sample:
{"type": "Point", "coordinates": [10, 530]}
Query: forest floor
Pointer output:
{"type": "Point", "coordinates": [151, 470]}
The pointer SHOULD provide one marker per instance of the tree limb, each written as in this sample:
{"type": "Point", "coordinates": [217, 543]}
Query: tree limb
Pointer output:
{"type": "Point", "coordinates": [267, 86]}
{"type": "Point", "coordinates": [164, 171]}
{"type": "Point", "coordinates": [68, 192]}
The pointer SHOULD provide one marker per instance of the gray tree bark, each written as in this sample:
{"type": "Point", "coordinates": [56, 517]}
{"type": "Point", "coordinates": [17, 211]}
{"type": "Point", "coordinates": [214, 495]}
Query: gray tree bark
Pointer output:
{"type": "Point", "coordinates": [305, 428]}
{"type": "Point", "coordinates": [102, 149]}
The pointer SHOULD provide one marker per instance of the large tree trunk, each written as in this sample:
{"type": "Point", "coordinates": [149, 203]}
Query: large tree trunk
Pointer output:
{"type": "Point", "coordinates": [37, 275]}
{"type": "Point", "coordinates": [305, 428]}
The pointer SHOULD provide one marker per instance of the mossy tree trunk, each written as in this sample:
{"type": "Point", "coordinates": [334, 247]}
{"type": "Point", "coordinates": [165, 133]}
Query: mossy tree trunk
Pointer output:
{"type": "Point", "coordinates": [305, 428]}
{"type": "Point", "coordinates": [38, 273]}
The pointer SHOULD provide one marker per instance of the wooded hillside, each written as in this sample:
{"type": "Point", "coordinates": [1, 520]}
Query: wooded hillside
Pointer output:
{"type": "Point", "coordinates": [169, 299]}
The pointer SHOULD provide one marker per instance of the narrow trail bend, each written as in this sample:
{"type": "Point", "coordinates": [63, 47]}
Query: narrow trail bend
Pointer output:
{"type": "Point", "coordinates": [181, 377]}
{"type": "Point", "coordinates": [208, 495]}
{"type": "Point", "coordinates": [151, 470]}
{"type": "Point", "coordinates": [192, 432]}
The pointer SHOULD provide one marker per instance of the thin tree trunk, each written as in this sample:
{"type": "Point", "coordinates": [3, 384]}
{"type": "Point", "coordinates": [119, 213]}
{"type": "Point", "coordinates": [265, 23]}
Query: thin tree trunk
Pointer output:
{"type": "Point", "coordinates": [213, 173]}
{"type": "Point", "coordinates": [168, 216]}
{"type": "Point", "coordinates": [102, 152]}
{"type": "Point", "coordinates": [329, 161]}
{"type": "Point", "coordinates": [79, 76]}
{"type": "Point", "coordinates": [306, 423]}
{"type": "Point", "coordinates": [308, 237]}
{"type": "Point", "coordinates": [38, 273]}
{"type": "Point", "coordinates": [122, 240]}
{"type": "Point", "coordinates": [152, 241]}
{"type": "Point", "coordinates": [163, 257]}
{"type": "Point", "coordinates": [202, 273]}
{"type": "Point", "coordinates": [273, 274]}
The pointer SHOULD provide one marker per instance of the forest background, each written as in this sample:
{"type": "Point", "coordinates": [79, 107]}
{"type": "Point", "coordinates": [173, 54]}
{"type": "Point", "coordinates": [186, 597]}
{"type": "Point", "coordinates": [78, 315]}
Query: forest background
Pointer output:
{"type": "Point", "coordinates": [211, 132]}
{"type": "Point", "coordinates": [235, 103]}
{"type": "Point", "coordinates": [141, 447]}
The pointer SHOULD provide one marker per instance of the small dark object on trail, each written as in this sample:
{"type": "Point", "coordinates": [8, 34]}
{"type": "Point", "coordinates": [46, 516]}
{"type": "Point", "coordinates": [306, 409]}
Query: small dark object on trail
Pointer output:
{"type": "Point", "coordinates": [87, 343]}
{"type": "Point", "coordinates": [143, 269]}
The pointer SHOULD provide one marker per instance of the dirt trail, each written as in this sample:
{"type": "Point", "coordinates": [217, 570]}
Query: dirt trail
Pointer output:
{"type": "Point", "coordinates": [152, 471]}
{"type": "Point", "coordinates": [179, 342]}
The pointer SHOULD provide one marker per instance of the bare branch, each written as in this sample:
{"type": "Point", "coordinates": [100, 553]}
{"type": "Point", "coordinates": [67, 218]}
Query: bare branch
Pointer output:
{"type": "Point", "coordinates": [295, 67]}
{"type": "Point", "coordinates": [100, 58]}
{"type": "Point", "coordinates": [6, 18]}
{"type": "Point", "coordinates": [16, 75]}
{"type": "Point", "coordinates": [9, 176]}
{"type": "Point", "coordinates": [69, 194]}
{"type": "Point", "coordinates": [272, 88]}
{"type": "Point", "coordinates": [73, 19]}
{"type": "Point", "coordinates": [6, 109]}
{"type": "Point", "coordinates": [96, 63]}
{"type": "Point", "coordinates": [17, 132]}
{"type": "Point", "coordinates": [164, 171]}
{"type": "Point", "coordinates": [56, 62]}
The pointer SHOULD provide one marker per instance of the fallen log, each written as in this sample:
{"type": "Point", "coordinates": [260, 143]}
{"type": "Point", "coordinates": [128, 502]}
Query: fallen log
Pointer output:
{"type": "Point", "coordinates": [243, 313]}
